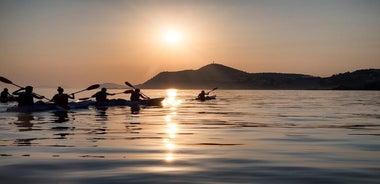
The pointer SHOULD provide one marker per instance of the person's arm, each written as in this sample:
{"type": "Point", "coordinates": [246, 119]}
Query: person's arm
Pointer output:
{"type": "Point", "coordinates": [38, 96]}
{"type": "Point", "coordinates": [111, 94]}
{"type": "Point", "coordinates": [71, 96]}
{"type": "Point", "coordinates": [17, 91]}
{"type": "Point", "coordinates": [52, 99]}
{"type": "Point", "coordinates": [143, 96]}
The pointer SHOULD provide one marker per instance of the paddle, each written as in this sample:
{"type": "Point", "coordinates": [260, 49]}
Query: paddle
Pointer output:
{"type": "Point", "coordinates": [130, 85]}
{"type": "Point", "coordinates": [211, 90]}
{"type": "Point", "coordinates": [125, 92]}
{"type": "Point", "coordinates": [95, 86]}
{"type": "Point", "coordinates": [5, 80]}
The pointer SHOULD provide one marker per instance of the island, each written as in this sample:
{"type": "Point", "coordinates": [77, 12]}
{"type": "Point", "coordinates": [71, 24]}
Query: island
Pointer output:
{"type": "Point", "coordinates": [224, 77]}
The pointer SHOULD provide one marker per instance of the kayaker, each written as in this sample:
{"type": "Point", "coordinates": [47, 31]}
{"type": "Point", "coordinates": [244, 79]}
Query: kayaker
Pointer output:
{"type": "Point", "coordinates": [5, 95]}
{"type": "Point", "coordinates": [202, 96]}
{"type": "Point", "coordinates": [135, 95]}
{"type": "Point", "coordinates": [101, 96]}
{"type": "Point", "coordinates": [62, 99]}
{"type": "Point", "coordinates": [26, 97]}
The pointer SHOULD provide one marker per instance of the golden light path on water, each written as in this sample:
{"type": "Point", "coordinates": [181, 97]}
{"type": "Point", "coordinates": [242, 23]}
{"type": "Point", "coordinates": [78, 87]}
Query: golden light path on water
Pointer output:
{"type": "Point", "coordinates": [171, 126]}
{"type": "Point", "coordinates": [170, 100]}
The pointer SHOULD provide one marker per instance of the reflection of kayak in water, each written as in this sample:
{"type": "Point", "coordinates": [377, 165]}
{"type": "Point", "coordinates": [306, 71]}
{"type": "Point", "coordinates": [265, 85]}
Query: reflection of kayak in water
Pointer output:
{"type": "Point", "coordinates": [213, 97]}
{"type": "Point", "coordinates": [41, 106]}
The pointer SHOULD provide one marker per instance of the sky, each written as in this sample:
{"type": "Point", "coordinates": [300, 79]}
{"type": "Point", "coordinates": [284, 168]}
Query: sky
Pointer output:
{"type": "Point", "coordinates": [77, 43]}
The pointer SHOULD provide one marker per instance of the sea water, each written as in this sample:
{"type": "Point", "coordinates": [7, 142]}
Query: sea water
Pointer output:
{"type": "Point", "coordinates": [247, 136]}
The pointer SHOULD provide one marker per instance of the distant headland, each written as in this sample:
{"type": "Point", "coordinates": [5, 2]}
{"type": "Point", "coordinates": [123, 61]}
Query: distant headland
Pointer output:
{"type": "Point", "coordinates": [224, 77]}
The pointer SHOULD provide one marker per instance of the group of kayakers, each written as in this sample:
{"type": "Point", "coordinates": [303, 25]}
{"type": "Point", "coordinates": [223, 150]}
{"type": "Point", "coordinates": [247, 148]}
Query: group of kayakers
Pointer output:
{"type": "Point", "coordinates": [25, 96]}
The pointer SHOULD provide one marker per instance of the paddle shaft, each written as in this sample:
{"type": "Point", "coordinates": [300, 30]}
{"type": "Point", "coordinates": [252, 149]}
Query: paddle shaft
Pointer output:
{"type": "Point", "coordinates": [88, 88]}
{"type": "Point", "coordinates": [79, 91]}
{"type": "Point", "coordinates": [130, 85]}
{"type": "Point", "coordinates": [212, 90]}
{"type": "Point", "coordinates": [5, 80]}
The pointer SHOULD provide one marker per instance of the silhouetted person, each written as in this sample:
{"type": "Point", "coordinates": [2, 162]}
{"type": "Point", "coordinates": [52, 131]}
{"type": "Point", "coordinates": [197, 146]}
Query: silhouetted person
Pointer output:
{"type": "Point", "coordinates": [135, 95]}
{"type": "Point", "coordinates": [27, 96]}
{"type": "Point", "coordinates": [202, 96]}
{"type": "Point", "coordinates": [101, 96]}
{"type": "Point", "coordinates": [5, 95]}
{"type": "Point", "coordinates": [62, 99]}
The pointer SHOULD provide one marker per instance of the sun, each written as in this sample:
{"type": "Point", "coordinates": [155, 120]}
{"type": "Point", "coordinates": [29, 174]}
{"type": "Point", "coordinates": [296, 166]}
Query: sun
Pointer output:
{"type": "Point", "coordinates": [172, 37]}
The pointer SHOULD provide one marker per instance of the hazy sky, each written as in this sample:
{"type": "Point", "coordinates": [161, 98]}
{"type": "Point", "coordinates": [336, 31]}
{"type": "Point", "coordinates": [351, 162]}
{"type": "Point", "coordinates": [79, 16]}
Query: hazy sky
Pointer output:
{"type": "Point", "coordinates": [80, 42]}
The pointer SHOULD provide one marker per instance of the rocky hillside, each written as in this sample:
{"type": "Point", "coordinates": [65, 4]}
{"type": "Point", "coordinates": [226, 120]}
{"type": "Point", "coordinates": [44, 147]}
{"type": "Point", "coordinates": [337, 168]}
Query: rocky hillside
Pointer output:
{"type": "Point", "coordinates": [224, 77]}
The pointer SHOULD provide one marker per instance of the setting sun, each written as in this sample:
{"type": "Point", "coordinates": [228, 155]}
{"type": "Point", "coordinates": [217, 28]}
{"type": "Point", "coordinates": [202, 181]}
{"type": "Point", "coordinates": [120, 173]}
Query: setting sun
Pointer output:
{"type": "Point", "coordinates": [172, 37]}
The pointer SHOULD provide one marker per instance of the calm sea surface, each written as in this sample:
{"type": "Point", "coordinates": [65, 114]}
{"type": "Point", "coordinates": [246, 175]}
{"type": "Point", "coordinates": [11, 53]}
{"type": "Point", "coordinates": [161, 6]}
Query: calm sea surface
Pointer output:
{"type": "Point", "coordinates": [250, 136]}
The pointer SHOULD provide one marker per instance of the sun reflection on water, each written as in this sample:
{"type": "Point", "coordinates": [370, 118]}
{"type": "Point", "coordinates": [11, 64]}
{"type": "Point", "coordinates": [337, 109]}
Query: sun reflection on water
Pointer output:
{"type": "Point", "coordinates": [169, 141]}
{"type": "Point", "coordinates": [171, 100]}
{"type": "Point", "coordinates": [171, 128]}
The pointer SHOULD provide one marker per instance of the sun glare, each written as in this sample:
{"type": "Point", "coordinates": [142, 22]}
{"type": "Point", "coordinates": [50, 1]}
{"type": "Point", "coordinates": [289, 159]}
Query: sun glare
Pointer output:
{"type": "Point", "coordinates": [172, 37]}
{"type": "Point", "coordinates": [171, 99]}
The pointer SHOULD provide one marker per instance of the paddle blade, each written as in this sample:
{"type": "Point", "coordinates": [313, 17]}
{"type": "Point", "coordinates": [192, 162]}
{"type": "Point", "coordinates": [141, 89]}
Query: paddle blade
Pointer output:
{"type": "Point", "coordinates": [5, 80]}
{"type": "Point", "coordinates": [95, 86]}
{"type": "Point", "coordinates": [129, 84]}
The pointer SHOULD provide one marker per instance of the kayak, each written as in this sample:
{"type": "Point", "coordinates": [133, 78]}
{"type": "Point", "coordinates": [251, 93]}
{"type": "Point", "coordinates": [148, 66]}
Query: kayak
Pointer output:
{"type": "Point", "coordinates": [36, 108]}
{"type": "Point", "coordinates": [9, 99]}
{"type": "Point", "coordinates": [213, 97]}
{"type": "Point", "coordinates": [41, 106]}
{"type": "Point", "coordinates": [123, 102]}
{"type": "Point", "coordinates": [113, 102]}
{"type": "Point", "coordinates": [152, 102]}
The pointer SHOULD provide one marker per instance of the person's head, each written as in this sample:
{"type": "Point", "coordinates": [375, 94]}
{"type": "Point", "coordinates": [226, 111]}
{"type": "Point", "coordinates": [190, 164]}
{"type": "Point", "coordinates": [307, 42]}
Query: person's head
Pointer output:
{"type": "Point", "coordinates": [104, 90]}
{"type": "Point", "coordinates": [5, 89]}
{"type": "Point", "coordinates": [137, 90]}
{"type": "Point", "coordinates": [28, 89]}
{"type": "Point", "coordinates": [203, 91]}
{"type": "Point", "coordinates": [60, 90]}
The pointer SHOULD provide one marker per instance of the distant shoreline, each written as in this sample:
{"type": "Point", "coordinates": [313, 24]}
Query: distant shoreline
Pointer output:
{"type": "Point", "coordinates": [224, 77]}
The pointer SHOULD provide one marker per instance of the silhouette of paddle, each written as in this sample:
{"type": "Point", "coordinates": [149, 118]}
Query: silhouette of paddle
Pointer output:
{"type": "Point", "coordinates": [130, 85]}
{"type": "Point", "coordinates": [5, 80]}
{"type": "Point", "coordinates": [125, 92]}
{"type": "Point", "coordinates": [95, 86]}
{"type": "Point", "coordinates": [211, 90]}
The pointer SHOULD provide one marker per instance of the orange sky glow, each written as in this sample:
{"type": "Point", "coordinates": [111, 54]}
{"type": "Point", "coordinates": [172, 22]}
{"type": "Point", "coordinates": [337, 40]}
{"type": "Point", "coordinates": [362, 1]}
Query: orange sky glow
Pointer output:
{"type": "Point", "coordinates": [77, 43]}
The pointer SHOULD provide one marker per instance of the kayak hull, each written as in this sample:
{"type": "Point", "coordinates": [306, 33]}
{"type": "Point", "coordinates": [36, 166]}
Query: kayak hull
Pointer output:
{"type": "Point", "coordinates": [38, 107]}
{"type": "Point", "coordinates": [122, 102]}
{"type": "Point", "coordinates": [213, 97]}
{"type": "Point", "coordinates": [113, 102]}
{"type": "Point", "coordinates": [152, 102]}
{"type": "Point", "coordinates": [9, 99]}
